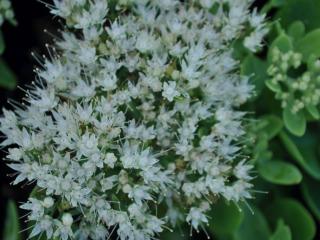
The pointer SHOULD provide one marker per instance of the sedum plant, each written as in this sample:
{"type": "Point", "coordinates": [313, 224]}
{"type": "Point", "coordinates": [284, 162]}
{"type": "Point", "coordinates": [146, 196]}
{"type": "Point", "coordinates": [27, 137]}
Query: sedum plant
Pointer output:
{"type": "Point", "coordinates": [282, 142]}
{"type": "Point", "coordinates": [295, 79]}
{"type": "Point", "coordinates": [286, 152]}
{"type": "Point", "coordinates": [134, 123]}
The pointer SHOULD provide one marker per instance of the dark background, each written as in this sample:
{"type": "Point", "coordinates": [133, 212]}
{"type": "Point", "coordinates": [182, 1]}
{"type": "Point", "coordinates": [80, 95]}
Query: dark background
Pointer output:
{"type": "Point", "coordinates": [28, 36]}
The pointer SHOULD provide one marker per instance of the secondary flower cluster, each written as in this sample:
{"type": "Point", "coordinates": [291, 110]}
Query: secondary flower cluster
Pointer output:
{"type": "Point", "coordinates": [134, 125]}
{"type": "Point", "coordinates": [6, 12]}
{"type": "Point", "coordinates": [295, 92]}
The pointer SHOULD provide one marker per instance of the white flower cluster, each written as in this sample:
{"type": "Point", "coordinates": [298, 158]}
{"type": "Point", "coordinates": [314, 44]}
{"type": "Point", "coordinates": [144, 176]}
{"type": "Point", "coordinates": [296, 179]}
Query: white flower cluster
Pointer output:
{"type": "Point", "coordinates": [133, 126]}
{"type": "Point", "coordinates": [6, 12]}
{"type": "Point", "coordinates": [253, 42]}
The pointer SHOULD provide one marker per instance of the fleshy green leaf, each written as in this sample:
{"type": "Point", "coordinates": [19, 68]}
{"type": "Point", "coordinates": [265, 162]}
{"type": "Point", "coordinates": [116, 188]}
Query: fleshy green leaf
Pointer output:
{"type": "Point", "coordinates": [305, 156]}
{"type": "Point", "coordinates": [306, 11]}
{"type": "Point", "coordinates": [257, 70]}
{"type": "Point", "coordinates": [226, 218]}
{"type": "Point", "coordinates": [309, 44]}
{"type": "Point", "coordinates": [273, 127]}
{"type": "Point", "coordinates": [253, 225]}
{"type": "Point", "coordinates": [296, 30]}
{"type": "Point", "coordinates": [295, 216]}
{"type": "Point", "coordinates": [296, 123]}
{"type": "Point", "coordinates": [282, 232]}
{"type": "Point", "coordinates": [291, 147]}
{"type": "Point", "coordinates": [273, 87]}
{"type": "Point", "coordinates": [279, 172]}
{"type": "Point", "coordinates": [11, 227]}
{"type": "Point", "coordinates": [314, 112]}
{"type": "Point", "coordinates": [7, 78]}
{"type": "Point", "coordinates": [311, 194]}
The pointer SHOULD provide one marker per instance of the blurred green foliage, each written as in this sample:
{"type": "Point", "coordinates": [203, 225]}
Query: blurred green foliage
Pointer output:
{"type": "Point", "coordinates": [7, 77]}
{"type": "Point", "coordinates": [12, 226]}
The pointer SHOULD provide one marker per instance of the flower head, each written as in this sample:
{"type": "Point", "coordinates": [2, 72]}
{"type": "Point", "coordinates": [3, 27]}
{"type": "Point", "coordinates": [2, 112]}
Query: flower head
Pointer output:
{"type": "Point", "coordinates": [136, 111]}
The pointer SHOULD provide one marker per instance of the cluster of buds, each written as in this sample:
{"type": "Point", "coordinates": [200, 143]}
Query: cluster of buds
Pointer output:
{"type": "Point", "coordinates": [299, 90]}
